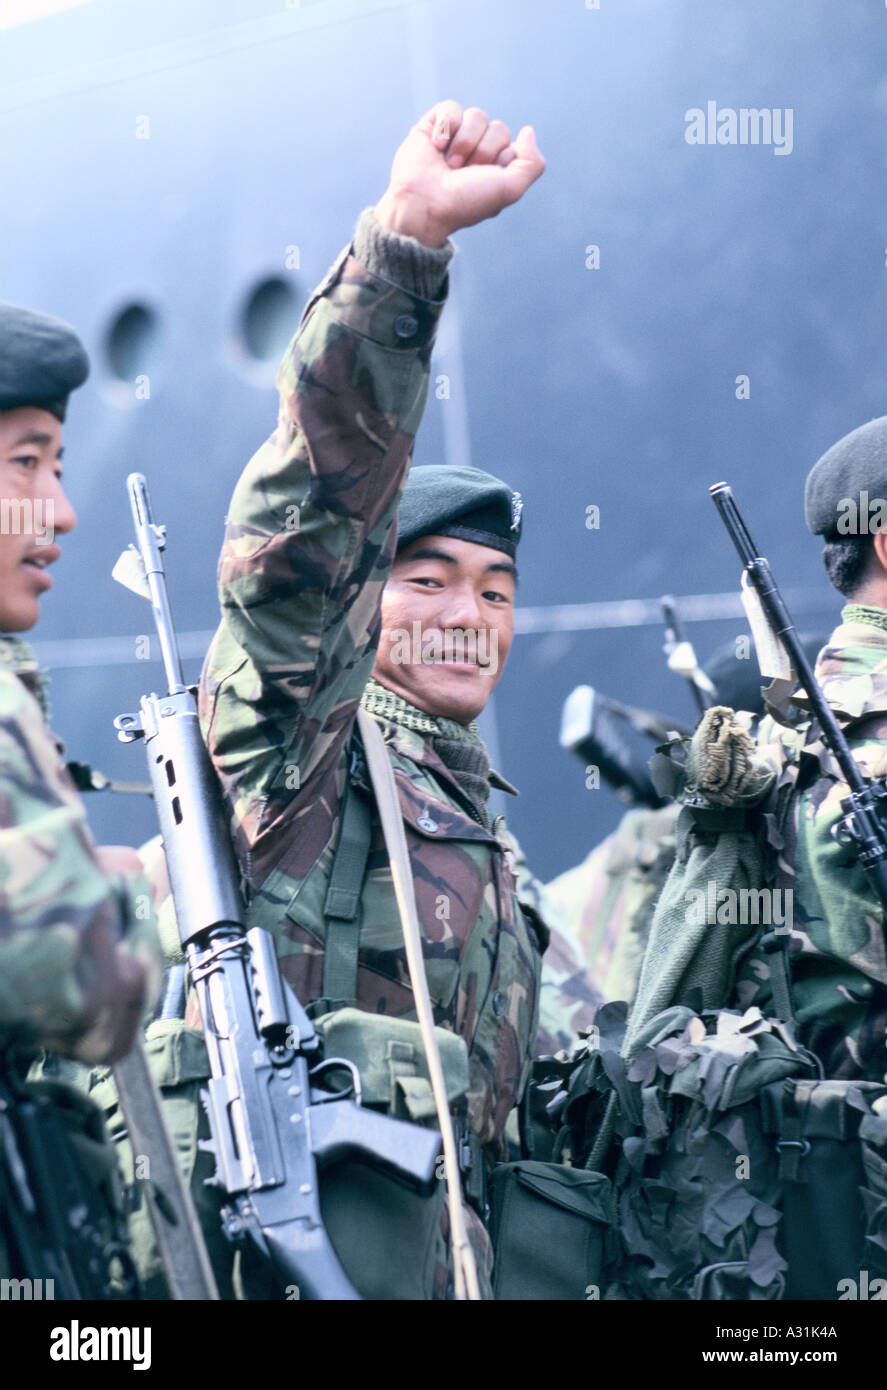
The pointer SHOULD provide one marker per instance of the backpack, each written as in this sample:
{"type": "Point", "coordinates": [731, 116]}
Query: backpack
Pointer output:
{"type": "Point", "coordinates": [738, 1170]}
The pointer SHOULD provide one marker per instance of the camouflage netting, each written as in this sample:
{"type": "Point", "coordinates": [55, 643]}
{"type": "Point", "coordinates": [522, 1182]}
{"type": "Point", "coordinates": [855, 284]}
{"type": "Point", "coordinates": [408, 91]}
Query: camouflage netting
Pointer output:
{"type": "Point", "coordinates": [697, 1181]}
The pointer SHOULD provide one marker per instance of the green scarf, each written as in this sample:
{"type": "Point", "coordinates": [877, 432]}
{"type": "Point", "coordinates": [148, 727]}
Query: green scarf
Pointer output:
{"type": "Point", "coordinates": [459, 746]}
{"type": "Point", "coordinates": [864, 613]}
{"type": "Point", "coordinates": [16, 653]}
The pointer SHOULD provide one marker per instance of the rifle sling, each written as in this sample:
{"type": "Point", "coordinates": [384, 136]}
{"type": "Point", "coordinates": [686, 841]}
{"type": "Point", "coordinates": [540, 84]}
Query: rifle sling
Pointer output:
{"type": "Point", "coordinates": [175, 1223]}
{"type": "Point", "coordinates": [391, 818]}
{"type": "Point", "coordinates": [342, 913]}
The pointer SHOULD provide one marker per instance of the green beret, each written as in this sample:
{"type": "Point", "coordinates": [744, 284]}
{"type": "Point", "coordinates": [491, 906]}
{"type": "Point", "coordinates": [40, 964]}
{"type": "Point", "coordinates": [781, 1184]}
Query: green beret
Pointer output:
{"type": "Point", "coordinates": [466, 503]}
{"type": "Point", "coordinates": [856, 464]}
{"type": "Point", "coordinates": [41, 360]}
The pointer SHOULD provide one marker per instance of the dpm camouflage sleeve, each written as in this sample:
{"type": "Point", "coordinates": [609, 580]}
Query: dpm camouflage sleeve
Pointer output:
{"type": "Point", "coordinates": [307, 550]}
{"type": "Point", "coordinates": [608, 900]}
{"type": "Point", "coordinates": [63, 978]}
{"type": "Point", "coordinates": [837, 945]}
{"type": "Point", "coordinates": [568, 998]}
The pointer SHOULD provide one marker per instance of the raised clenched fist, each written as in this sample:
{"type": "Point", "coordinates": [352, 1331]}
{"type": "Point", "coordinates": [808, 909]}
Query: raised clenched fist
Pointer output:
{"type": "Point", "coordinates": [456, 168]}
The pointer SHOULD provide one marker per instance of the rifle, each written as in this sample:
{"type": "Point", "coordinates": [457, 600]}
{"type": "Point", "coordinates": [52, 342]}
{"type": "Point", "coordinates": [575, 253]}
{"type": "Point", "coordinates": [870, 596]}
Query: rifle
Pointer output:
{"type": "Point", "coordinates": [273, 1113]}
{"type": "Point", "coordinates": [864, 823]}
{"type": "Point", "coordinates": [682, 658]}
{"type": "Point", "coordinates": [60, 1234]}
{"type": "Point", "coordinates": [594, 728]}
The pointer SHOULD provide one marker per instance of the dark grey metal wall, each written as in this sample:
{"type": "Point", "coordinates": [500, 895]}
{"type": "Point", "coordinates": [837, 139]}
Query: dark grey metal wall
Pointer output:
{"type": "Point", "coordinates": [176, 177]}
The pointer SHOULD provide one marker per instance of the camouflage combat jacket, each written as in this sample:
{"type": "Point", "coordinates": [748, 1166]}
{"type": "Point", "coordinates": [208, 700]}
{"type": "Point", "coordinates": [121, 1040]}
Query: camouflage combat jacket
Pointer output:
{"type": "Point", "coordinates": [62, 981]}
{"type": "Point", "coordinates": [609, 899]}
{"type": "Point", "coordinates": [309, 543]}
{"type": "Point", "coordinates": [838, 964]}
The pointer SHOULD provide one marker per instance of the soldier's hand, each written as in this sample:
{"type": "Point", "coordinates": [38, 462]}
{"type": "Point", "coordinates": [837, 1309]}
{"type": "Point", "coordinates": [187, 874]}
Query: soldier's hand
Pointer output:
{"type": "Point", "coordinates": [117, 1005]}
{"type": "Point", "coordinates": [119, 859]}
{"type": "Point", "coordinates": [456, 168]}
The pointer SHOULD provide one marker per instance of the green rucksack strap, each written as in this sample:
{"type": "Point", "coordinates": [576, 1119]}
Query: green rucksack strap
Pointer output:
{"type": "Point", "coordinates": [342, 904]}
{"type": "Point", "coordinates": [776, 946]}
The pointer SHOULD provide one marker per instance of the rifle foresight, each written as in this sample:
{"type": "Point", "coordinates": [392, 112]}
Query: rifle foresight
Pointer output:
{"type": "Point", "coordinates": [722, 496]}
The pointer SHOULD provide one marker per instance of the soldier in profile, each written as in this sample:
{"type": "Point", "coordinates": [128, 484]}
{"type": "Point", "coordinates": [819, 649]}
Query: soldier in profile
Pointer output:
{"type": "Point", "coordinates": [70, 981]}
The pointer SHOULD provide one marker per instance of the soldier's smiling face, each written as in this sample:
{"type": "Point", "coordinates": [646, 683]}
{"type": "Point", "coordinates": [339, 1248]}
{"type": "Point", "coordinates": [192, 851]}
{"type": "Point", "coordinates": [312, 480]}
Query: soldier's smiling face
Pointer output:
{"type": "Point", "coordinates": [447, 625]}
{"type": "Point", "coordinates": [33, 512]}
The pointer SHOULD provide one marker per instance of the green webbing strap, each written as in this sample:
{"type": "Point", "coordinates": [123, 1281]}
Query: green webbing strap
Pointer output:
{"type": "Point", "coordinates": [342, 905]}
{"type": "Point", "coordinates": [776, 946]}
{"type": "Point", "coordinates": [793, 1145]}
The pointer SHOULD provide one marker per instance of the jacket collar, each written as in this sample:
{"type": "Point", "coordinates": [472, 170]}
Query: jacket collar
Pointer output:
{"type": "Point", "coordinates": [852, 669]}
{"type": "Point", "coordinates": [418, 806]}
{"type": "Point", "coordinates": [17, 656]}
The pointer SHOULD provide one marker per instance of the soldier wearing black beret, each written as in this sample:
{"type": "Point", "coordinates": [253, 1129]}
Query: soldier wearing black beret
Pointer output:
{"type": "Point", "coordinates": [41, 362]}
{"type": "Point", "coordinates": [69, 981]}
{"type": "Point", "coordinates": [68, 894]}
{"type": "Point", "coordinates": [394, 593]}
{"type": "Point", "coordinates": [846, 503]}
{"type": "Point", "coordinates": [457, 531]}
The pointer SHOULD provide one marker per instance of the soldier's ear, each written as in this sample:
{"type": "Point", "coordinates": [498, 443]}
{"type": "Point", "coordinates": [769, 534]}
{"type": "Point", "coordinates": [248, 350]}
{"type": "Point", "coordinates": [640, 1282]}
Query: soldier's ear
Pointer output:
{"type": "Point", "coordinates": [879, 545]}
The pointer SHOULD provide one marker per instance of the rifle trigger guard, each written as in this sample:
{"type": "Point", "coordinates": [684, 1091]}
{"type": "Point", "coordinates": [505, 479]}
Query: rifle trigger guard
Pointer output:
{"type": "Point", "coordinates": [337, 1063]}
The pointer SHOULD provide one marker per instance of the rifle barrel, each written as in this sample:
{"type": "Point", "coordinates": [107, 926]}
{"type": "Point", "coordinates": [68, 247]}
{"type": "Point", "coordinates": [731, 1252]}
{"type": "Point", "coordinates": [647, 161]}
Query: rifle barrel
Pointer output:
{"type": "Point", "coordinates": [761, 578]}
{"type": "Point", "coordinates": [150, 543]}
